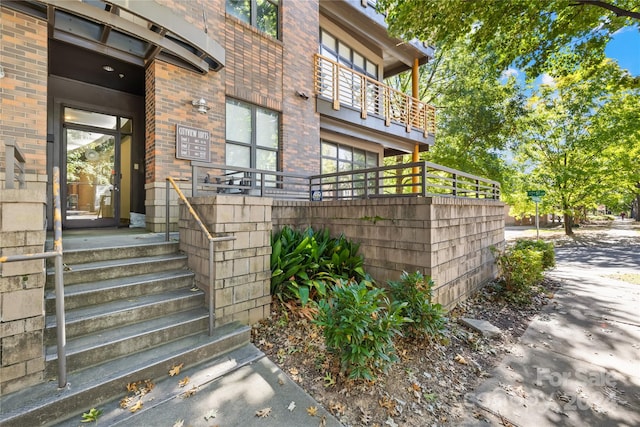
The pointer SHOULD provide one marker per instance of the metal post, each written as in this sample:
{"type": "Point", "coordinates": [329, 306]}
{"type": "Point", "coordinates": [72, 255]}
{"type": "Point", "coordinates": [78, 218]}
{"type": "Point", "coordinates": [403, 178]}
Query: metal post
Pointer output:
{"type": "Point", "coordinates": [537, 223]}
{"type": "Point", "coordinates": [166, 231]}
{"type": "Point", "coordinates": [59, 285]}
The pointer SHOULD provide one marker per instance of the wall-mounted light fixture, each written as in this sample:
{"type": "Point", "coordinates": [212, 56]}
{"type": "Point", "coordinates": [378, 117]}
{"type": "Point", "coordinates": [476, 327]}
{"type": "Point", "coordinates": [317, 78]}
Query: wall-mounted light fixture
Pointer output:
{"type": "Point", "coordinates": [302, 95]}
{"type": "Point", "coordinates": [200, 105]}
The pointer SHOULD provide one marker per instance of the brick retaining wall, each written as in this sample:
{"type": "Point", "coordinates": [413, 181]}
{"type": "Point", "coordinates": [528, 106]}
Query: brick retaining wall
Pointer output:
{"type": "Point", "coordinates": [444, 238]}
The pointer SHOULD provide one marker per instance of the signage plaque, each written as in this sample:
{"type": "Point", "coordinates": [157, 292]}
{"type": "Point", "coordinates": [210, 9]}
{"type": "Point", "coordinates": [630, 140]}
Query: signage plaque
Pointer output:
{"type": "Point", "coordinates": [193, 144]}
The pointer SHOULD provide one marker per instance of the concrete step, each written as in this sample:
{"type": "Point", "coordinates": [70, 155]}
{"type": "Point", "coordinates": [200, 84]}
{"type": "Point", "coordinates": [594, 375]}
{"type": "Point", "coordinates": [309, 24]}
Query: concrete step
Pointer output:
{"type": "Point", "coordinates": [81, 256]}
{"type": "Point", "coordinates": [110, 269]}
{"type": "Point", "coordinates": [118, 313]}
{"type": "Point", "coordinates": [92, 292]}
{"type": "Point", "coordinates": [45, 404]}
{"type": "Point", "coordinates": [90, 350]}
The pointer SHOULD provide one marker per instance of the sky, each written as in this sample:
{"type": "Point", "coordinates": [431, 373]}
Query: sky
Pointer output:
{"type": "Point", "coordinates": [625, 48]}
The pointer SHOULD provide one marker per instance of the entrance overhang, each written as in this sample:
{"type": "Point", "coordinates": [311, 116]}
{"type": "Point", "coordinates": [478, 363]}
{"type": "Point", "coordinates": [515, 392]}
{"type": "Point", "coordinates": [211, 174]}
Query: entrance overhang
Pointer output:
{"type": "Point", "coordinates": [133, 31]}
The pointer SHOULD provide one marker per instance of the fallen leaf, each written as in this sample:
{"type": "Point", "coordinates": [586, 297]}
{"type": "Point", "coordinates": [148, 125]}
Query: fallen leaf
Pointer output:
{"type": "Point", "coordinates": [323, 421]}
{"type": "Point", "coordinates": [178, 423]}
{"type": "Point", "coordinates": [461, 360]}
{"type": "Point", "coordinates": [132, 387]}
{"type": "Point", "coordinates": [338, 408]}
{"type": "Point", "coordinates": [189, 393]}
{"type": "Point", "coordinates": [263, 413]}
{"type": "Point", "coordinates": [137, 406]}
{"type": "Point", "coordinates": [183, 382]}
{"type": "Point", "coordinates": [175, 370]}
{"type": "Point", "coordinates": [293, 371]}
{"type": "Point", "coordinates": [312, 411]}
{"type": "Point", "coordinates": [291, 406]}
{"type": "Point", "coordinates": [211, 414]}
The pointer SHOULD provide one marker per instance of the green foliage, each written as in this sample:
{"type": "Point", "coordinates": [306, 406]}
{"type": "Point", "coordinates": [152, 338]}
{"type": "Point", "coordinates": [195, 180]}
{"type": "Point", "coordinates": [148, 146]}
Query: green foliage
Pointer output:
{"type": "Point", "coordinates": [416, 291]}
{"type": "Point", "coordinates": [359, 324]}
{"type": "Point", "coordinates": [305, 263]}
{"type": "Point", "coordinates": [532, 35]}
{"type": "Point", "coordinates": [91, 416]}
{"type": "Point", "coordinates": [520, 269]}
{"type": "Point", "coordinates": [545, 248]}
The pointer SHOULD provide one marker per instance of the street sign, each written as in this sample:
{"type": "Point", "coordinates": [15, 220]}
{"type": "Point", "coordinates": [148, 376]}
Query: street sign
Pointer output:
{"type": "Point", "coordinates": [536, 199]}
{"type": "Point", "coordinates": [536, 193]}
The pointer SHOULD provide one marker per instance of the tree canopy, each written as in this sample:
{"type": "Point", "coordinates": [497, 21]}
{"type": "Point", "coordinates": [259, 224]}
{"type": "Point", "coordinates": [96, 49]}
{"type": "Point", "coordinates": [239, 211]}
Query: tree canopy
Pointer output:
{"type": "Point", "coordinates": [579, 142]}
{"type": "Point", "coordinates": [528, 34]}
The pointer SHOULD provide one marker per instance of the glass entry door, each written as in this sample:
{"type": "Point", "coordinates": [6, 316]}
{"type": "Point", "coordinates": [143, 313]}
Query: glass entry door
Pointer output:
{"type": "Point", "coordinates": [91, 179]}
{"type": "Point", "coordinates": [91, 185]}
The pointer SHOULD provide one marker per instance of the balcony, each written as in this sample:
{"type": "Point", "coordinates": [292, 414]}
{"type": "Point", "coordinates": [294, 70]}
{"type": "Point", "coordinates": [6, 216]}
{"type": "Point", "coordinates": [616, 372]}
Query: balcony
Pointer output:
{"type": "Point", "coordinates": [355, 98]}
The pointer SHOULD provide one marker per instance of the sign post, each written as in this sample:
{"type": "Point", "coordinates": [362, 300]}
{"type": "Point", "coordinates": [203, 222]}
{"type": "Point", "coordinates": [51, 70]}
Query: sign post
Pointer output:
{"type": "Point", "coordinates": [536, 196]}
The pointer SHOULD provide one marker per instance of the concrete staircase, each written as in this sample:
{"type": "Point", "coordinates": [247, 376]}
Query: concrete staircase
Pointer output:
{"type": "Point", "coordinates": [132, 312]}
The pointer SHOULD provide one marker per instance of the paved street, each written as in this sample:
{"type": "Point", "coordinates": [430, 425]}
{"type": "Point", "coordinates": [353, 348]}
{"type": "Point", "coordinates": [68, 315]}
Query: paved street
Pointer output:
{"type": "Point", "coordinates": [578, 363]}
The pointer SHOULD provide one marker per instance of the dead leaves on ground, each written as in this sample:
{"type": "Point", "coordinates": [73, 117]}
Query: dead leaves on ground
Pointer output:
{"type": "Point", "coordinates": [136, 390]}
{"type": "Point", "coordinates": [263, 413]}
{"type": "Point", "coordinates": [175, 370]}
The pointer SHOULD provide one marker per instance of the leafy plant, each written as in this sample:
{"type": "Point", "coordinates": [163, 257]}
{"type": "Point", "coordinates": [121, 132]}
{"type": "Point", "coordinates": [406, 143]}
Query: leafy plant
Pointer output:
{"type": "Point", "coordinates": [359, 324]}
{"type": "Point", "coordinates": [416, 291]}
{"type": "Point", "coordinates": [305, 263]}
{"type": "Point", "coordinates": [546, 248]}
{"type": "Point", "coordinates": [91, 416]}
{"type": "Point", "coordinates": [519, 270]}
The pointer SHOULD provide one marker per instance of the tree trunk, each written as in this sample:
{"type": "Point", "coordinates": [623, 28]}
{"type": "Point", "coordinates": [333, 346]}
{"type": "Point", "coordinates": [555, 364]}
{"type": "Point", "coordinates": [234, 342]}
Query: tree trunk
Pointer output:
{"type": "Point", "coordinates": [568, 229]}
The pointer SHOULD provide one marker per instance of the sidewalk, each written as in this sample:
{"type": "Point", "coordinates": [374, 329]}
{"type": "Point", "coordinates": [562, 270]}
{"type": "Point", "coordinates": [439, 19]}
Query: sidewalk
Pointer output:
{"type": "Point", "coordinates": [578, 363]}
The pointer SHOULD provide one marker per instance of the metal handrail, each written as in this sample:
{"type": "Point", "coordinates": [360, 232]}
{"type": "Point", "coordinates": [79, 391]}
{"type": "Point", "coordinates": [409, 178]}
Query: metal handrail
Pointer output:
{"type": "Point", "coordinates": [398, 181]}
{"type": "Point", "coordinates": [210, 238]}
{"type": "Point", "coordinates": [59, 280]}
{"type": "Point", "coordinates": [345, 86]}
{"type": "Point", "coordinates": [13, 153]}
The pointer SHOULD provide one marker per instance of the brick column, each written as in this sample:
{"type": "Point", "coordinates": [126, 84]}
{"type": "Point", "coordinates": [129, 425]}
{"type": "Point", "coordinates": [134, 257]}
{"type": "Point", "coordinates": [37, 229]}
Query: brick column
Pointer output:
{"type": "Point", "coordinates": [242, 266]}
{"type": "Point", "coordinates": [21, 290]}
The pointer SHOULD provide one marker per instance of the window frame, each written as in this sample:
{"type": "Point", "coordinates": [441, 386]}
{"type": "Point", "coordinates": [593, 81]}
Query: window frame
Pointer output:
{"type": "Point", "coordinates": [349, 62]}
{"type": "Point", "coordinates": [253, 140]}
{"type": "Point", "coordinates": [253, 16]}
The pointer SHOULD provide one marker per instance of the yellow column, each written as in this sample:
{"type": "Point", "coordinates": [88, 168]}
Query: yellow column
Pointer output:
{"type": "Point", "coordinates": [416, 149]}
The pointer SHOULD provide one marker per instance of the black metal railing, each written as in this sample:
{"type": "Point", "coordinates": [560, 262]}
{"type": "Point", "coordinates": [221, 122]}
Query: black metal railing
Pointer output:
{"type": "Point", "coordinates": [14, 159]}
{"type": "Point", "coordinates": [419, 179]}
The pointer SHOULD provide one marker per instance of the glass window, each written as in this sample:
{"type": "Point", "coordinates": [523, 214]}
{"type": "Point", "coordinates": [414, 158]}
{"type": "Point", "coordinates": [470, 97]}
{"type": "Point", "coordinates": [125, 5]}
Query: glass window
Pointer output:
{"type": "Point", "coordinates": [238, 122]}
{"type": "Point", "coordinates": [262, 14]}
{"type": "Point", "coordinates": [238, 155]}
{"type": "Point", "coordinates": [126, 125]}
{"type": "Point", "coordinates": [336, 157]}
{"type": "Point", "coordinates": [253, 137]}
{"type": "Point", "coordinates": [241, 9]}
{"type": "Point", "coordinates": [89, 118]}
{"type": "Point", "coordinates": [335, 49]}
{"type": "Point", "coordinates": [266, 128]}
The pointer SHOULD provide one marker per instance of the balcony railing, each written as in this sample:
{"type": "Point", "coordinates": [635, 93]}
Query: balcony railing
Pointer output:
{"type": "Point", "coordinates": [343, 86]}
{"type": "Point", "coordinates": [420, 179]}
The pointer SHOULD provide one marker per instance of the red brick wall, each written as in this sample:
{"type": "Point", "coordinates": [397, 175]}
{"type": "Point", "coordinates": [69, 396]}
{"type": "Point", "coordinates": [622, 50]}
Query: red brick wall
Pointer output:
{"type": "Point", "coordinates": [258, 69]}
{"type": "Point", "coordinates": [301, 123]}
{"type": "Point", "coordinates": [23, 90]}
{"type": "Point", "coordinates": [169, 92]}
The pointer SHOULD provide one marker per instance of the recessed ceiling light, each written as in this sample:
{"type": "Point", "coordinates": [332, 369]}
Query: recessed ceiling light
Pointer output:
{"type": "Point", "coordinates": [108, 68]}
{"type": "Point", "coordinates": [121, 75]}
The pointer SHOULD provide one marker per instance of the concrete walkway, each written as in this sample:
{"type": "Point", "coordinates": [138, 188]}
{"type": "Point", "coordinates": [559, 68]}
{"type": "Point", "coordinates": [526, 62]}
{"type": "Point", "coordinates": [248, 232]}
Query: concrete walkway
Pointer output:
{"type": "Point", "coordinates": [578, 363]}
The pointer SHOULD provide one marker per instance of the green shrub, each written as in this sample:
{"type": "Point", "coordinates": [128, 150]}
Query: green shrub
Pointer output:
{"type": "Point", "coordinates": [359, 324]}
{"type": "Point", "coordinates": [416, 291]}
{"type": "Point", "coordinates": [520, 269]}
{"type": "Point", "coordinates": [304, 263]}
{"type": "Point", "coordinates": [546, 248]}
